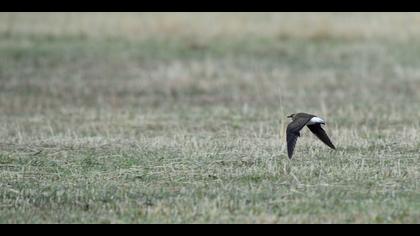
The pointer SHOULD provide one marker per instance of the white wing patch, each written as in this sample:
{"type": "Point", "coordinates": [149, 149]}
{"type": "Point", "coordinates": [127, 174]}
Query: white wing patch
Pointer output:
{"type": "Point", "coordinates": [316, 120]}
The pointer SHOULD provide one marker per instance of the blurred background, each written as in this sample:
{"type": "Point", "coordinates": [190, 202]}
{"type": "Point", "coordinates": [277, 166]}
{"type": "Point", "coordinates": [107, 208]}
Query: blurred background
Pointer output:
{"type": "Point", "coordinates": [189, 64]}
{"type": "Point", "coordinates": [164, 63]}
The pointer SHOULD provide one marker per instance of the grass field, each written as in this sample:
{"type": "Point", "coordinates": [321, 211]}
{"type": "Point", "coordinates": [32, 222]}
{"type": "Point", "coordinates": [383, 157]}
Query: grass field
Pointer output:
{"type": "Point", "coordinates": [180, 117]}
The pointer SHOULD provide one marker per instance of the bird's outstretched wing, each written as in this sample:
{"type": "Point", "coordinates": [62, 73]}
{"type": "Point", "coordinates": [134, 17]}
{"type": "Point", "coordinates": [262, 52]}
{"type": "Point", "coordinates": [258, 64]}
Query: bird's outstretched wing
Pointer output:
{"type": "Point", "coordinates": [321, 134]}
{"type": "Point", "coordinates": [291, 143]}
{"type": "Point", "coordinates": [292, 133]}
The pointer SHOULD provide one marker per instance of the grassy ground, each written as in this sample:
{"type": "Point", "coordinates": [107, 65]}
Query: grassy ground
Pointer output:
{"type": "Point", "coordinates": [180, 118]}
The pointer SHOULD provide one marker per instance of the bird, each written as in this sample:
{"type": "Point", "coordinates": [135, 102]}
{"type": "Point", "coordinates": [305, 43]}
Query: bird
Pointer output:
{"type": "Point", "coordinates": [299, 120]}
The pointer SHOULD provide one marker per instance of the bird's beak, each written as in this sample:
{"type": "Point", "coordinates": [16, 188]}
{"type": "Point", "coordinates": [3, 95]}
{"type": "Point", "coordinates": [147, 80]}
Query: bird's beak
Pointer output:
{"type": "Point", "coordinates": [289, 116]}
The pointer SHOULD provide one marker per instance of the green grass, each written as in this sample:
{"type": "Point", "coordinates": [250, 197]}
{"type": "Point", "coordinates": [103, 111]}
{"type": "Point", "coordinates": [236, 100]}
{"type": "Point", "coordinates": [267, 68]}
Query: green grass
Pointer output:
{"type": "Point", "coordinates": [187, 126]}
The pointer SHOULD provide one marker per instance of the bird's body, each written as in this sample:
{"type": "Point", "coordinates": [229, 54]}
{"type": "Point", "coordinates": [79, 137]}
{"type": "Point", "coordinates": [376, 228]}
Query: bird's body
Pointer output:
{"type": "Point", "coordinates": [315, 120]}
{"type": "Point", "coordinates": [299, 120]}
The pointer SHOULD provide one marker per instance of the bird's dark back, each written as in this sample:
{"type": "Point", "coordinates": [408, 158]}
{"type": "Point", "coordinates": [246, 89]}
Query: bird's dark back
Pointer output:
{"type": "Point", "coordinates": [302, 115]}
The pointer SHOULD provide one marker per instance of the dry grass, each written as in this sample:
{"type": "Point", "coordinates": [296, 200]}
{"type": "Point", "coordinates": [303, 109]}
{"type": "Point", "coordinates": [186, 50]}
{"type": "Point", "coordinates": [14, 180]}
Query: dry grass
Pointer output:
{"type": "Point", "coordinates": [207, 26]}
{"type": "Point", "coordinates": [180, 118]}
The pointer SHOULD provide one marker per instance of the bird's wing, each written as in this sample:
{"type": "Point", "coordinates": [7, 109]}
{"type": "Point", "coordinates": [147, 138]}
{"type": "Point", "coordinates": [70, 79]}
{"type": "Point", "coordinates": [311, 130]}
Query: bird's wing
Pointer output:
{"type": "Point", "coordinates": [291, 143]}
{"type": "Point", "coordinates": [321, 134]}
{"type": "Point", "coordinates": [292, 133]}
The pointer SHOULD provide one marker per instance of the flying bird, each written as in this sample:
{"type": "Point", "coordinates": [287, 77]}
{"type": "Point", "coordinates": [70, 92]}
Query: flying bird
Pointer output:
{"type": "Point", "coordinates": [299, 120]}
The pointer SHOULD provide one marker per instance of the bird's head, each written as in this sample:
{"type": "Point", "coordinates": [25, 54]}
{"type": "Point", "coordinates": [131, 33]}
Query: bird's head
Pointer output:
{"type": "Point", "coordinates": [291, 116]}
